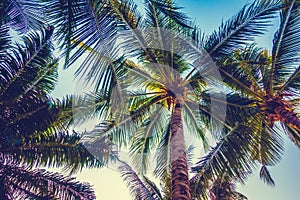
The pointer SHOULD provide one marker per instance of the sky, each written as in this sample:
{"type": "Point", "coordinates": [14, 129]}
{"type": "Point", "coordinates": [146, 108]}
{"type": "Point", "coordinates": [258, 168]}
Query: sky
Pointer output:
{"type": "Point", "coordinates": [208, 15]}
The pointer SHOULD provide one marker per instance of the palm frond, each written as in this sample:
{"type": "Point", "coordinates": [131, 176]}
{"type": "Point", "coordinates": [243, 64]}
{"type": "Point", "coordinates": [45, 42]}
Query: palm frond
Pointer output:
{"type": "Point", "coordinates": [232, 154]}
{"type": "Point", "coordinates": [147, 137]}
{"type": "Point", "coordinates": [5, 40]}
{"type": "Point", "coordinates": [65, 14]}
{"type": "Point", "coordinates": [265, 175]}
{"type": "Point", "coordinates": [63, 115]}
{"type": "Point", "coordinates": [138, 188]}
{"type": "Point", "coordinates": [23, 15]}
{"type": "Point", "coordinates": [292, 83]}
{"type": "Point", "coordinates": [218, 110]}
{"type": "Point", "coordinates": [93, 23]}
{"type": "Point", "coordinates": [190, 154]}
{"type": "Point", "coordinates": [89, 107]}
{"type": "Point", "coordinates": [57, 150]}
{"type": "Point", "coordinates": [244, 70]}
{"type": "Point", "coordinates": [15, 121]}
{"type": "Point", "coordinates": [270, 145]}
{"type": "Point", "coordinates": [285, 58]}
{"type": "Point", "coordinates": [224, 189]}
{"type": "Point", "coordinates": [153, 188]}
{"type": "Point", "coordinates": [293, 134]}
{"type": "Point", "coordinates": [27, 60]}
{"type": "Point", "coordinates": [122, 127]}
{"type": "Point", "coordinates": [249, 22]}
{"type": "Point", "coordinates": [162, 154]}
{"type": "Point", "coordinates": [193, 123]}
{"type": "Point", "coordinates": [23, 181]}
{"type": "Point", "coordinates": [171, 12]}
{"type": "Point", "coordinates": [46, 79]}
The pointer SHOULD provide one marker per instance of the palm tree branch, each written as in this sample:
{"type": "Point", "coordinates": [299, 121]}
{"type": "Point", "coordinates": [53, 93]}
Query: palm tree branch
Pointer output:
{"type": "Point", "coordinates": [54, 181]}
{"type": "Point", "coordinates": [294, 79]}
{"type": "Point", "coordinates": [143, 141]}
{"type": "Point", "coordinates": [33, 58]}
{"type": "Point", "coordinates": [27, 114]}
{"type": "Point", "coordinates": [220, 159]}
{"type": "Point", "coordinates": [249, 22]}
{"type": "Point", "coordinates": [277, 46]}
{"type": "Point", "coordinates": [137, 187]}
{"type": "Point", "coordinates": [194, 122]}
{"type": "Point", "coordinates": [256, 94]}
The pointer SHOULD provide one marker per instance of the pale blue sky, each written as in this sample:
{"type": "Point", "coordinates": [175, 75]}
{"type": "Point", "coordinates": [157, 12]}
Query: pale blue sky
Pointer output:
{"type": "Point", "coordinates": [208, 15]}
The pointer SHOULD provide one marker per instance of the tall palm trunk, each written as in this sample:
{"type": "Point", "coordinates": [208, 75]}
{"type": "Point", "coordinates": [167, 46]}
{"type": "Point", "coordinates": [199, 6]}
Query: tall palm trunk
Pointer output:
{"type": "Point", "coordinates": [179, 176]}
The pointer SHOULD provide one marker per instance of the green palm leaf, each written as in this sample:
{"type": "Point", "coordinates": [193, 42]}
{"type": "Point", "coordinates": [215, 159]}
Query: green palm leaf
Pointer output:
{"type": "Point", "coordinates": [266, 176]}
{"type": "Point", "coordinates": [147, 137]}
{"type": "Point", "coordinates": [25, 182]}
{"type": "Point", "coordinates": [28, 61]}
{"type": "Point", "coordinates": [162, 154]}
{"type": "Point", "coordinates": [232, 154]}
{"type": "Point", "coordinates": [23, 15]}
{"type": "Point", "coordinates": [285, 58]}
{"type": "Point", "coordinates": [251, 21]}
{"type": "Point", "coordinates": [292, 84]}
{"type": "Point", "coordinates": [171, 11]}
{"type": "Point", "coordinates": [58, 150]}
{"type": "Point", "coordinates": [139, 188]}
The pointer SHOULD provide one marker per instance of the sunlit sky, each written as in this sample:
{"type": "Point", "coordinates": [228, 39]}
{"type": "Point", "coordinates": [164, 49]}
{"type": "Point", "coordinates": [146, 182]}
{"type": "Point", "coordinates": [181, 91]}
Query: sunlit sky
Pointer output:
{"type": "Point", "coordinates": [208, 15]}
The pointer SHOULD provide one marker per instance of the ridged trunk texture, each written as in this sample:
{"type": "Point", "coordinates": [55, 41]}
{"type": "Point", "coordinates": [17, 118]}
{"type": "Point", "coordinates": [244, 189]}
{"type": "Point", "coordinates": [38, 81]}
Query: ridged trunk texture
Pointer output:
{"type": "Point", "coordinates": [179, 176]}
{"type": "Point", "coordinates": [278, 109]}
{"type": "Point", "coordinates": [288, 116]}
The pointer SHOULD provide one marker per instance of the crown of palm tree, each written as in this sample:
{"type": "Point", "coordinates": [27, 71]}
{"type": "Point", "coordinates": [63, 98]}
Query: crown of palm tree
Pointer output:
{"type": "Point", "coordinates": [33, 125]}
{"type": "Point", "coordinates": [271, 82]}
{"type": "Point", "coordinates": [93, 26]}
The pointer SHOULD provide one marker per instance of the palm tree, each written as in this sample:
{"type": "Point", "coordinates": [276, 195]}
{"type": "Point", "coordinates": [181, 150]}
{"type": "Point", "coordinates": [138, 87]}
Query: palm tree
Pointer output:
{"type": "Point", "coordinates": [267, 88]}
{"type": "Point", "coordinates": [30, 122]}
{"type": "Point", "coordinates": [163, 96]}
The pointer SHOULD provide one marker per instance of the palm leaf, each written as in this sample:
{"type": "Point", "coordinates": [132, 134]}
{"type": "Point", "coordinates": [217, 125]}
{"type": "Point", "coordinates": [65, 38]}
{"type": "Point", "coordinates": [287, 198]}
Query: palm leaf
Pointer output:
{"type": "Point", "coordinates": [265, 175]}
{"type": "Point", "coordinates": [139, 189]}
{"type": "Point", "coordinates": [293, 134]}
{"type": "Point", "coordinates": [57, 150]}
{"type": "Point", "coordinates": [171, 11]}
{"type": "Point", "coordinates": [23, 15]}
{"type": "Point", "coordinates": [147, 137]}
{"type": "Point", "coordinates": [193, 123]}
{"type": "Point", "coordinates": [63, 115]}
{"type": "Point", "coordinates": [26, 61]}
{"type": "Point", "coordinates": [162, 154]}
{"type": "Point", "coordinates": [244, 70]}
{"type": "Point", "coordinates": [224, 189]}
{"type": "Point", "coordinates": [270, 145]}
{"type": "Point", "coordinates": [285, 48]}
{"type": "Point", "coordinates": [154, 189]}
{"type": "Point", "coordinates": [42, 183]}
{"type": "Point", "coordinates": [292, 84]}
{"type": "Point", "coordinates": [232, 154]}
{"type": "Point", "coordinates": [5, 40]}
{"type": "Point", "coordinates": [91, 22]}
{"type": "Point", "coordinates": [249, 22]}
{"type": "Point", "coordinates": [4, 45]}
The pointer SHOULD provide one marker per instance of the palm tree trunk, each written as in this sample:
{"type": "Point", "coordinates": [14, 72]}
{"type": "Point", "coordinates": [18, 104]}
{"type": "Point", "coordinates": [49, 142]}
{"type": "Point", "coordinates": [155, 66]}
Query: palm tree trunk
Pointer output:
{"type": "Point", "coordinates": [288, 116]}
{"type": "Point", "coordinates": [179, 176]}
